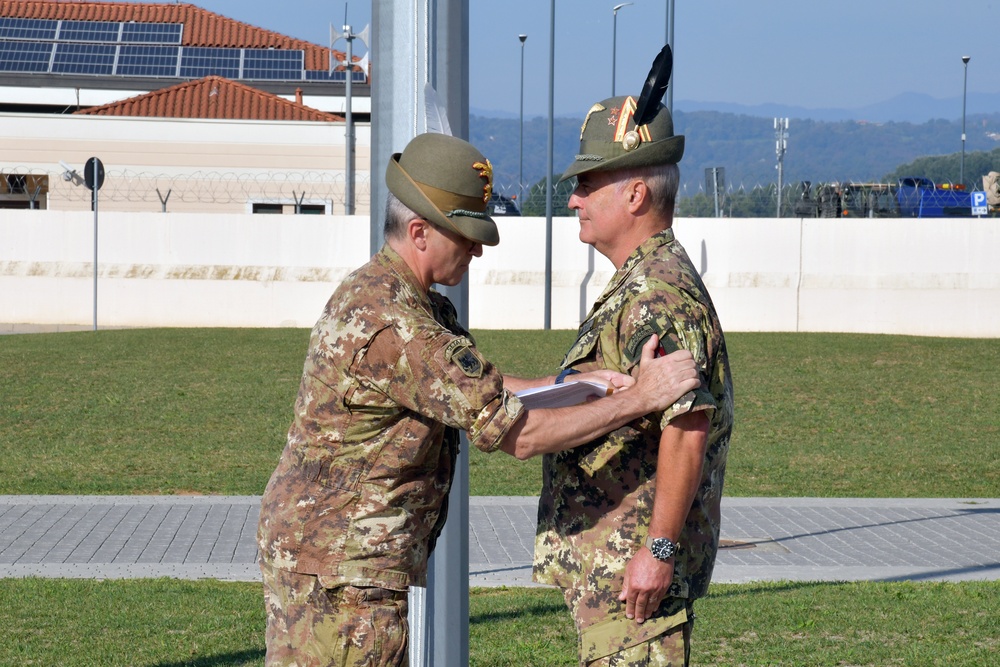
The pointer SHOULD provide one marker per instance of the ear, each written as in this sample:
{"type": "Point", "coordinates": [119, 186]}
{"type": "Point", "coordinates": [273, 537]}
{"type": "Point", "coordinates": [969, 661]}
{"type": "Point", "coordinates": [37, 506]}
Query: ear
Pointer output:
{"type": "Point", "coordinates": [417, 230]}
{"type": "Point", "coordinates": [638, 196]}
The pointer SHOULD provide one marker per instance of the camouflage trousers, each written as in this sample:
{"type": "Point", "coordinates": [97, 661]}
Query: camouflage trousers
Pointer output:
{"type": "Point", "coordinates": [309, 625]}
{"type": "Point", "coordinates": [607, 639]}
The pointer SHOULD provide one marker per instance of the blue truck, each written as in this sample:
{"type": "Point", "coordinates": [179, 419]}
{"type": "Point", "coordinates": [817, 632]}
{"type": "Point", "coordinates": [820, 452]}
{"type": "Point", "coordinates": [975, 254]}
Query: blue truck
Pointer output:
{"type": "Point", "coordinates": [919, 197]}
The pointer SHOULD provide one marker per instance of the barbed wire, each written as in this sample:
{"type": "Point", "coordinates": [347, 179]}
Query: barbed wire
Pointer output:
{"type": "Point", "coordinates": [838, 199]}
{"type": "Point", "coordinates": [238, 188]}
{"type": "Point", "coordinates": [198, 187]}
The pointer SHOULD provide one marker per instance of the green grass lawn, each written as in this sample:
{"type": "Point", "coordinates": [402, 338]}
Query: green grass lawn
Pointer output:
{"type": "Point", "coordinates": [166, 623]}
{"type": "Point", "coordinates": [206, 411]}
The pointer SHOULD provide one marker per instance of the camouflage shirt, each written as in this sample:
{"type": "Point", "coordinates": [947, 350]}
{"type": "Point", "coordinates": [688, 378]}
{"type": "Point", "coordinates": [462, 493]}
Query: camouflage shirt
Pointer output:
{"type": "Point", "coordinates": [358, 495]}
{"type": "Point", "coordinates": [597, 499]}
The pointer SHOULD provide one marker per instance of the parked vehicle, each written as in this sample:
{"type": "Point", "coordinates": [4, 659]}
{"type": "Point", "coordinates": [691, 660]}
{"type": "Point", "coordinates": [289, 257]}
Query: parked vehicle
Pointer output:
{"type": "Point", "coordinates": [920, 198]}
{"type": "Point", "coordinates": [503, 205]}
{"type": "Point", "coordinates": [910, 197]}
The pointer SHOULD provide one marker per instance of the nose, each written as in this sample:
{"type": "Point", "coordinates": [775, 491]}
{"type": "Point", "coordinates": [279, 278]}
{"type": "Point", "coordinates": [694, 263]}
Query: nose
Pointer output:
{"type": "Point", "coordinates": [574, 203]}
{"type": "Point", "coordinates": [476, 250]}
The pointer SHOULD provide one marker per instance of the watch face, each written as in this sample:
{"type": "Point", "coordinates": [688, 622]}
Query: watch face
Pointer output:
{"type": "Point", "coordinates": [662, 548]}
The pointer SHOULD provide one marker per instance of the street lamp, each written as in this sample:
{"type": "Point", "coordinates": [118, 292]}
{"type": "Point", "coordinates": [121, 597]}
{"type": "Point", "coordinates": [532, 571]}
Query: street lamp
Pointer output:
{"type": "Point", "coordinates": [520, 154]}
{"type": "Point", "coordinates": [614, 42]}
{"type": "Point", "coordinates": [965, 81]}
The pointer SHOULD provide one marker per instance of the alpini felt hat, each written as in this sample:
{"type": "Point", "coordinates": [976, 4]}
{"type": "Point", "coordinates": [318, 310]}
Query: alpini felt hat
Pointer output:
{"type": "Point", "coordinates": [627, 132]}
{"type": "Point", "coordinates": [446, 181]}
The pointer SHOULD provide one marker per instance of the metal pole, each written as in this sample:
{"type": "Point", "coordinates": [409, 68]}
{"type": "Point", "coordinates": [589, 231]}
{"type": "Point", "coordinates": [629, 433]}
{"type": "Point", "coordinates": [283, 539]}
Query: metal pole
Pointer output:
{"type": "Point", "coordinates": [614, 48]}
{"type": "Point", "coordinates": [414, 43]}
{"type": "Point", "coordinates": [548, 171]}
{"type": "Point", "coordinates": [965, 81]}
{"type": "Point", "coordinates": [520, 154]}
{"type": "Point", "coordinates": [448, 579]}
{"type": "Point", "coordinates": [715, 189]}
{"type": "Point", "coordinates": [96, 188]}
{"type": "Point", "coordinates": [349, 122]}
{"type": "Point", "coordinates": [614, 42]}
{"type": "Point", "coordinates": [670, 41]}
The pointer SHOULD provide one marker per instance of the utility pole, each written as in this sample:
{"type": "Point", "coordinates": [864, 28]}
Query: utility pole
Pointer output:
{"type": "Point", "coordinates": [780, 146]}
{"type": "Point", "coordinates": [348, 116]}
{"type": "Point", "coordinates": [965, 82]}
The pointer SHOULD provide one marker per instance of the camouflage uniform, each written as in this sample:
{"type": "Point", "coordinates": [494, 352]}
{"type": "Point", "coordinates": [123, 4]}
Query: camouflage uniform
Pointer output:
{"type": "Point", "coordinates": [597, 499]}
{"type": "Point", "coordinates": [358, 497]}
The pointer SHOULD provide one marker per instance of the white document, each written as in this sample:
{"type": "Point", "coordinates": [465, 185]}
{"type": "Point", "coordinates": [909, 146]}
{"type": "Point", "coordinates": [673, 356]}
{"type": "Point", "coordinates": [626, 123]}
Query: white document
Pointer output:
{"type": "Point", "coordinates": [563, 395]}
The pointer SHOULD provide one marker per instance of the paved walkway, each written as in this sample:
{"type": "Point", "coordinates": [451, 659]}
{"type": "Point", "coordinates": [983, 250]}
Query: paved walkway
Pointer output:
{"type": "Point", "coordinates": [764, 539]}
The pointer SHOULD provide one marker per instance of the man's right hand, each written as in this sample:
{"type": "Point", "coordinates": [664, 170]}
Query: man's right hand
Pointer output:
{"type": "Point", "coordinates": [663, 380]}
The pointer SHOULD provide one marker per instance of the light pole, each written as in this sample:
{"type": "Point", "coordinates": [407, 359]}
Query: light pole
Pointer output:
{"type": "Point", "coordinates": [348, 117]}
{"type": "Point", "coordinates": [520, 150]}
{"type": "Point", "coordinates": [965, 81]}
{"type": "Point", "coordinates": [670, 41]}
{"type": "Point", "coordinates": [614, 42]}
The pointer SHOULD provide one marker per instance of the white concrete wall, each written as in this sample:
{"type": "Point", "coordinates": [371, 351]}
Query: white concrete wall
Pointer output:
{"type": "Point", "coordinates": [922, 277]}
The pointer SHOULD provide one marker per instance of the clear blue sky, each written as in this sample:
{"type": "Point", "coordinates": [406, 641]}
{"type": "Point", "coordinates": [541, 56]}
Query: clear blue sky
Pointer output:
{"type": "Point", "coordinates": [844, 54]}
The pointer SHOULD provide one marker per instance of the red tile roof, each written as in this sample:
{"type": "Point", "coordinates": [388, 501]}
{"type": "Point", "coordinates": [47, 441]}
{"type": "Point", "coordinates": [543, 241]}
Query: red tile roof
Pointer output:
{"type": "Point", "coordinates": [201, 27]}
{"type": "Point", "coordinates": [212, 97]}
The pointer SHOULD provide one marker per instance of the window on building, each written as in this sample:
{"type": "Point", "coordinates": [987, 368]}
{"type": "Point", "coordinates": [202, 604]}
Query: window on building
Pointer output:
{"type": "Point", "coordinates": [268, 209]}
{"type": "Point", "coordinates": [23, 191]}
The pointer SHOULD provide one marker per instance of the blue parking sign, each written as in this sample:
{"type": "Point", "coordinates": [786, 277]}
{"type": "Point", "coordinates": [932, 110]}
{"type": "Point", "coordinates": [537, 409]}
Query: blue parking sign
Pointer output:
{"type": "Point", "coordinates": [979, 206]}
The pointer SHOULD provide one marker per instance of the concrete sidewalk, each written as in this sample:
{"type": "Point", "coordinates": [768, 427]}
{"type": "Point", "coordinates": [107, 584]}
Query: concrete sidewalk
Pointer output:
{"type": "Point", "coordinates": [764, 539]}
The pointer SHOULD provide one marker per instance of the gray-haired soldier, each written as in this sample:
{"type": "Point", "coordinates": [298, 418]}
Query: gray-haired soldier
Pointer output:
{"type": "Point", "coordinates": [358, 498]}
{"type": "Point", "coordinates": [629, 524]}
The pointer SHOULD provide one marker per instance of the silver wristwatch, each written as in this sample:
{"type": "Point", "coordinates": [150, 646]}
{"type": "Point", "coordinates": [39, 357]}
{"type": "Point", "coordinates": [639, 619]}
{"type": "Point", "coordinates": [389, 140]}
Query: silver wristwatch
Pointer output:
{"type": "Point", "coordinates": [662, 548]}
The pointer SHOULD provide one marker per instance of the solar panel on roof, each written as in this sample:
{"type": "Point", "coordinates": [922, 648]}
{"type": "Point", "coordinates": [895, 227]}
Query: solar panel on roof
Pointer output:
{"type": "Point", "coordinates": [15, 28]}
{"type": "Point", "coordinates": [273, 64]}
{"type": "Point", "coordinates": [199, 61]}
{"type": "Point", "coordinates": [25, 56]}
{"type": "Point", "coordinates": [147, 60]}
{"type": "Point", "coordinates": [89, 31]}
{"type": "Point", "coordinates": [152, 33]}
{"type": "Point", "coordinates": [338, 75]}
{"type": "Point", "coordinates": [84, 59]}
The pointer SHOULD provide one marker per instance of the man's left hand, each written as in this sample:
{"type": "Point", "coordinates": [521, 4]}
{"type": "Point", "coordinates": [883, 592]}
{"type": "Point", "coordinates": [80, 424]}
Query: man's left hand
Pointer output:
{"type": "Point", "coordinates": [646, 583]}
{"type": "Point", "coordinates": [613, 379]}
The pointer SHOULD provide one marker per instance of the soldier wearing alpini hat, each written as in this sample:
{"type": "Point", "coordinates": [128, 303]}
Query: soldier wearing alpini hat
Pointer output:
{"type": "Point", "coordinates": [359, 495]}
{"type": "Point", "coordinates": [629, 524]}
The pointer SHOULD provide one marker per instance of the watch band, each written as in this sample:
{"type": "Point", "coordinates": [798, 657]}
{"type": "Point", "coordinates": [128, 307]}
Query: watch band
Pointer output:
{"type": "Point", "coordinates": [662, 548]}
{"type": "Point", "coordinates": [565, 374]}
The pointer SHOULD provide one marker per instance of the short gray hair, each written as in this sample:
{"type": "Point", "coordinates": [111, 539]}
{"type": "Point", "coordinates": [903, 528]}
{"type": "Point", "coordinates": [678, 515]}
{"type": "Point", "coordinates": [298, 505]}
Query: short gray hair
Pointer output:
{"type": "Point", "coordinates": [397, 214]}
{"type": "Point", "coordinates": [663, 182]}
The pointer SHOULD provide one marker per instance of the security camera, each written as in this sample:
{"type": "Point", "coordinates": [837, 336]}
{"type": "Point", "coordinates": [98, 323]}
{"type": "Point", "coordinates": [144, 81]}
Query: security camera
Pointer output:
{"type": "Point", "coordinates": [69, 174]}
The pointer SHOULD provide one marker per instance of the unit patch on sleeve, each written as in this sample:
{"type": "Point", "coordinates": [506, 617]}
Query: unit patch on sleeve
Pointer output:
{"type": "Point", "coordinates": [461, 353]}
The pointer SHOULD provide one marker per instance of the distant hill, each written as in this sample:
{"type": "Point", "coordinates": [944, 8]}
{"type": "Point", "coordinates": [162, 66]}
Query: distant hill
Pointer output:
{"type": "Point", "coordinates": [904, 108]}
{"type": "Point", "coordinates": [743, 144]}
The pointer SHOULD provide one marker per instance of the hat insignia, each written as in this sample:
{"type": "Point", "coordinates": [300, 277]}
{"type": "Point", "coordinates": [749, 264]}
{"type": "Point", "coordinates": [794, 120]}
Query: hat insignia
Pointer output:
{"type": "Point", "coordinates": [630, 139]}
{"type": "Point", "coordinates": [486, 171]}
{"type": "Point", "coordinates": [594, 109]}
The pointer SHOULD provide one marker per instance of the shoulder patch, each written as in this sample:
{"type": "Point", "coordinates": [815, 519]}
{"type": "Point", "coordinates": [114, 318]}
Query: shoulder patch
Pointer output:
{"type": "Point", "coordinates": [461, 353]}
{"type": "Point", "coordinates": [633, 348]}
{"type": "Point", "coordinates": [635, 343]}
